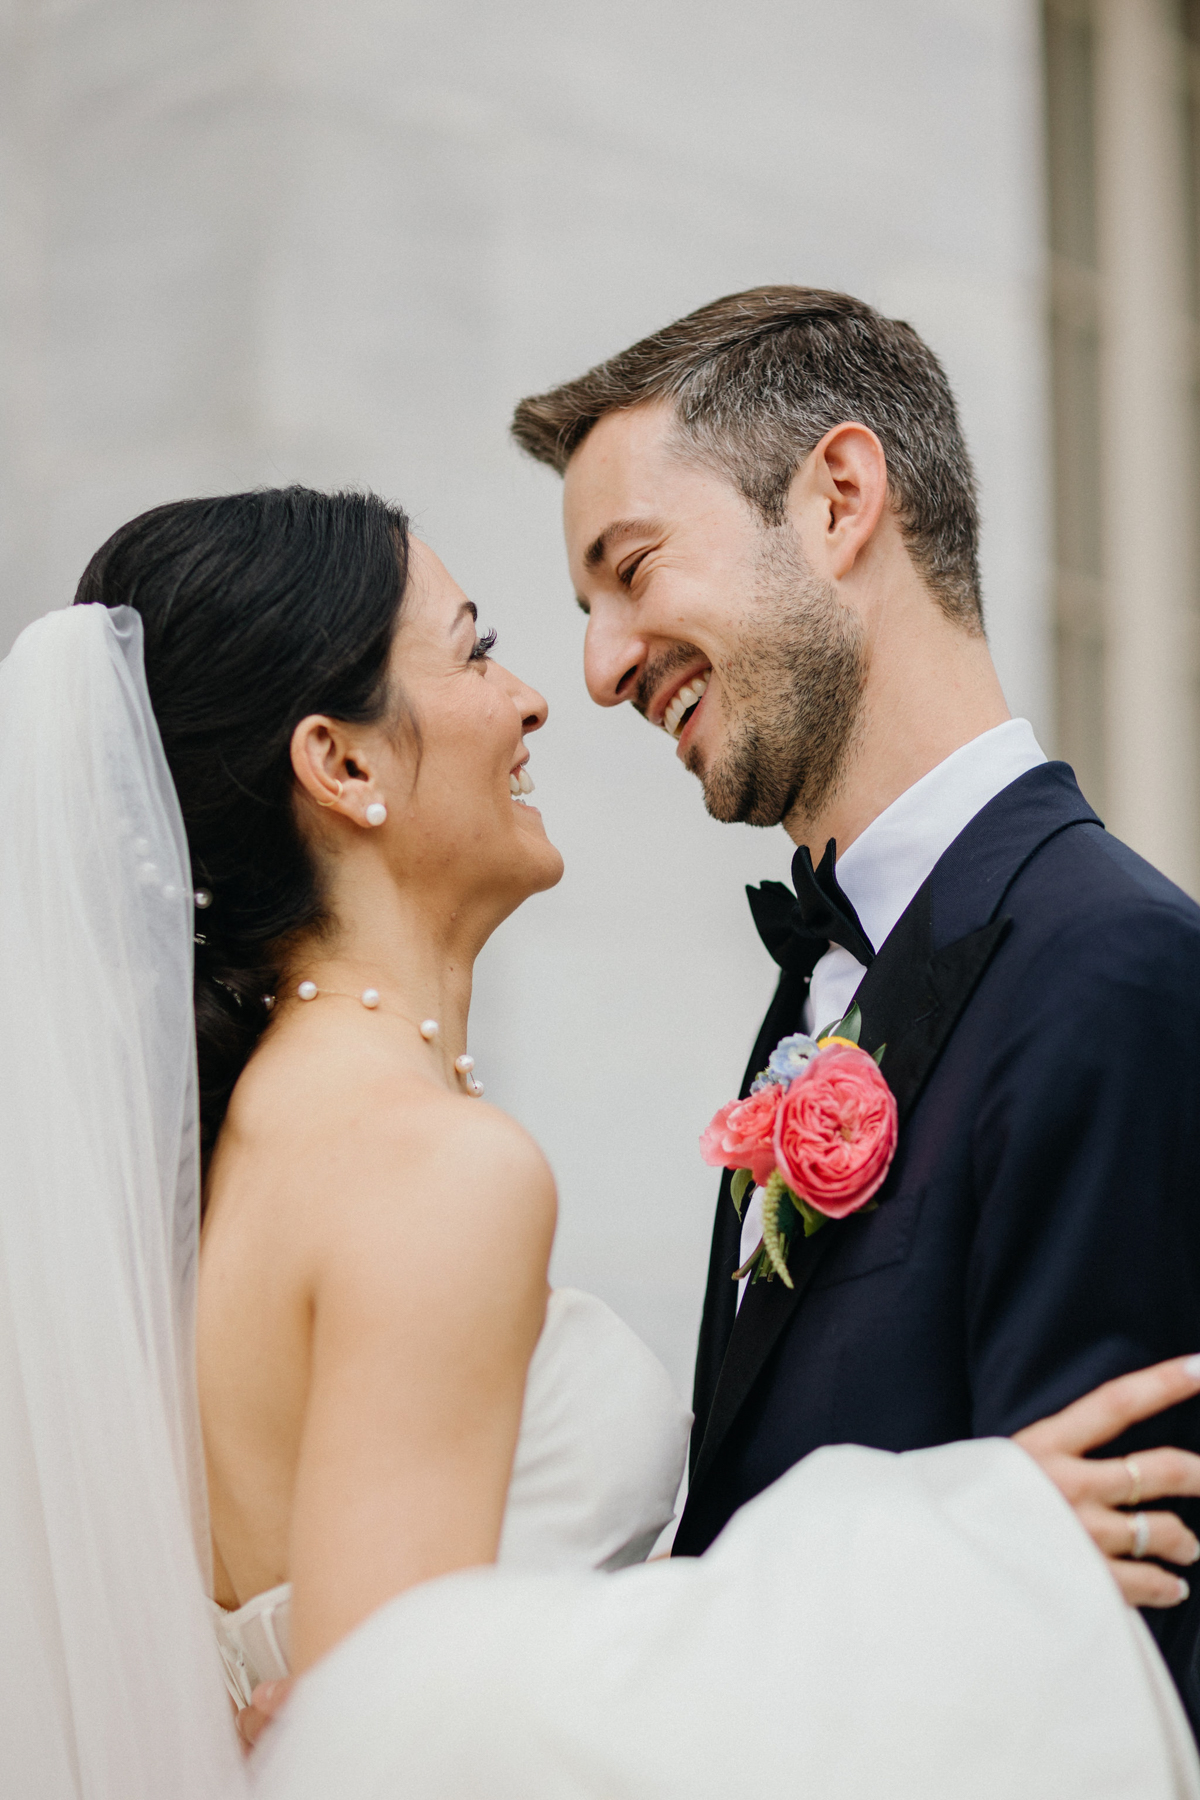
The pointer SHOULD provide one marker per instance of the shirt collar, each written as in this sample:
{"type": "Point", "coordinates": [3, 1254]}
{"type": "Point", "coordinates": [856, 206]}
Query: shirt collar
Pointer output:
{"type": "Point", "coordinates": [886, 864]}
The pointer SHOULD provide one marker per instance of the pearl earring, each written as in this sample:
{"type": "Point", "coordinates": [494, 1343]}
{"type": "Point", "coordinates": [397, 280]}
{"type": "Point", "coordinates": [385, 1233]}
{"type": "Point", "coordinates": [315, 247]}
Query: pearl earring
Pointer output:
{"type": "Point", "coordinates": [376, 813]}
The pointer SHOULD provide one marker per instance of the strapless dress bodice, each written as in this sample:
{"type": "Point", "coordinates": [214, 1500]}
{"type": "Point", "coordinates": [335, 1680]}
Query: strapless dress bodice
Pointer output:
{"type": "Point", "coordinates": [597, 1469]}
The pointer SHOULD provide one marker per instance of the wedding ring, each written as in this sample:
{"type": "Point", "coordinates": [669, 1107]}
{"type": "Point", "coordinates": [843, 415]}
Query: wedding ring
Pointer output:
{"type": "Point", "coordinates": [1135, 1482]}
{"type": "Point", "coordinates": [1139, 1526]}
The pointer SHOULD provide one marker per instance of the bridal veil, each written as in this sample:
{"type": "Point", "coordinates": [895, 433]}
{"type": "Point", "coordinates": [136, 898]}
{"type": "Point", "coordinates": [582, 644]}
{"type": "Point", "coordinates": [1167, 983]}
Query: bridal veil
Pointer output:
{"type": "Point", "coordinates": [109, 1689]}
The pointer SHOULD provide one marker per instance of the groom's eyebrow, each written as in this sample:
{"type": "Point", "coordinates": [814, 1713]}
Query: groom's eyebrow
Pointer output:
{"type": "Point", "coordinates": [616, 533]}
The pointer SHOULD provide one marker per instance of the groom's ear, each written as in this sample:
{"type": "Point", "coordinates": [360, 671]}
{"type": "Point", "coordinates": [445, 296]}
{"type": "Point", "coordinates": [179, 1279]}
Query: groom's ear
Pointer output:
{"type": "Point", "coordinates": [837, 498]}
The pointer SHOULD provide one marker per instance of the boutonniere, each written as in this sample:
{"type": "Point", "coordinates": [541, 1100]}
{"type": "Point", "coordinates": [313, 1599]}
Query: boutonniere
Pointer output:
{"type": "Point", "coordinates": [817, 1132]}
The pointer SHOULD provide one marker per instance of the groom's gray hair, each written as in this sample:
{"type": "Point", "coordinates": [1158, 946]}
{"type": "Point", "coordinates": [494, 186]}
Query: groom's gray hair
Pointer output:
{"type": "Point", "coordinates": [758, 378]}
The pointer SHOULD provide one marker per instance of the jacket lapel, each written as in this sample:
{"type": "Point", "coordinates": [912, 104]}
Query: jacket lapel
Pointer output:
{"type": "Point", "coordinates": [911, 998]}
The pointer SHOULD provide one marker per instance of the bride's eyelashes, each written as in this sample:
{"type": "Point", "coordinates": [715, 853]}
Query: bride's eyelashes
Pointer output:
{"type": "Point", "coordinates": [483, 647]}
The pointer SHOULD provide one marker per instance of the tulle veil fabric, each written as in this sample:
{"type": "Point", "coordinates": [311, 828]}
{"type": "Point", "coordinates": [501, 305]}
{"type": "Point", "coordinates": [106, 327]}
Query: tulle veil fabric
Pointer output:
{"type": "Point", "coordinates": [109, 1688]}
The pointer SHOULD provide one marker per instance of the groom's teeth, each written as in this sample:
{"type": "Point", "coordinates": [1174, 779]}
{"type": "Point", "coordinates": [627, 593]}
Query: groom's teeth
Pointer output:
{"type": "Point", "coordinates": [685, 699]}
{"type": "Point", "coordinates": [526, 781]}
{"type": "Point", "coordinates": [514, 785]}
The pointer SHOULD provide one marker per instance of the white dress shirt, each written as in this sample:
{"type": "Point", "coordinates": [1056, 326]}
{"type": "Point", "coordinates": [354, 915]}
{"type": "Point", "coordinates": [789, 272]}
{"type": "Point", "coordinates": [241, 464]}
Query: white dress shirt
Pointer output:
{"type": "Point", "coordinates": [885, 865]}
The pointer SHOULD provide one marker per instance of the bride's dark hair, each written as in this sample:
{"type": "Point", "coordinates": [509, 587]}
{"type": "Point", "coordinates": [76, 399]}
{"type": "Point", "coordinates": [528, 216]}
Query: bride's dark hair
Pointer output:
{"type": "Point", "coordinates": [257, 609]}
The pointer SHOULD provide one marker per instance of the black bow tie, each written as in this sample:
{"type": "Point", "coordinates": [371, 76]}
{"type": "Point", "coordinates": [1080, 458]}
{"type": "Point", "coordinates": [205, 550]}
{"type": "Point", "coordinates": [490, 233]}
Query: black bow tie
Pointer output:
{"type": "Point", "coordinates": [798, 928]}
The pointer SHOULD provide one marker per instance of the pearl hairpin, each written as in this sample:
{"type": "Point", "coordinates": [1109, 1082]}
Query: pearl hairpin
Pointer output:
{"type": "Point", "coordinates": [464, 1065]}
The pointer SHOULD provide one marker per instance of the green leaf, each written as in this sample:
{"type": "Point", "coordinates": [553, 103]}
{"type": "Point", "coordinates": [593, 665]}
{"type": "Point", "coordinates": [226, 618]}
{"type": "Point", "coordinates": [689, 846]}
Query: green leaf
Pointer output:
{"type": "Point", "coordinates": [739, 1187]}
{"type": "Point", "coordinates": [851, 1026]}
{"type": "Point", "coordinates": [848, 1027]}
{"type": "Point", "coordinates": [877, 1055]}
{"type": "Point", "coordinates": [813, 1220]}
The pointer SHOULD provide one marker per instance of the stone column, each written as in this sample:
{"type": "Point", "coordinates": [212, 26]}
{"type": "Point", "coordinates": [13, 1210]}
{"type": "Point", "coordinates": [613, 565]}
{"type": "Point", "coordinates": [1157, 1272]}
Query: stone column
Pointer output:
{"type": "Point", "coordinates": [1148, 482]}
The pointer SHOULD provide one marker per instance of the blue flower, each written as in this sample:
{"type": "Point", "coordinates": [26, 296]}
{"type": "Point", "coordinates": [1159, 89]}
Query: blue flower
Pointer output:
{"type": "Point", "coordinates": [790, 1056]}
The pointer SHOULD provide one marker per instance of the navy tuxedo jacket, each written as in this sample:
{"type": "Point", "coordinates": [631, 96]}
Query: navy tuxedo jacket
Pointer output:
{"type": "Point", "coordinates": [1039, 1229]}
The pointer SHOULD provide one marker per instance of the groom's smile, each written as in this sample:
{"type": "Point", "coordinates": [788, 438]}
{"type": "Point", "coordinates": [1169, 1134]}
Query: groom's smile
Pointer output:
{"type": "Point", "coordinates": [670, 689]}
{"type": "Point", "coordinates": [711, 622]}
{"type": "Point", "coordinates": [662, 555]}
{"type": "Point", "coordinates": [685, 703]}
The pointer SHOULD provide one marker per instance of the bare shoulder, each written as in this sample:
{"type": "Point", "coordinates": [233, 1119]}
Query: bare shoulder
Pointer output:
{"type": "Point", "coordinates": [415, 1138]}
{"type": "Point", "coordinates": [480, 1139]}
{"type": "Point", "coordinates": [439, 1242]}
{"type": "Point", "coordinates": [373, 1168]}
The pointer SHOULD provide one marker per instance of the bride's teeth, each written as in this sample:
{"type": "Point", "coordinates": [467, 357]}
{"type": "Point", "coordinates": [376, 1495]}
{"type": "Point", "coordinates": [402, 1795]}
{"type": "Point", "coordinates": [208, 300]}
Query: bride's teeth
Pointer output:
{"type": "Point", "coordinates": [514, 785]}
{"type": "Point", "coordinates": [526, 781]}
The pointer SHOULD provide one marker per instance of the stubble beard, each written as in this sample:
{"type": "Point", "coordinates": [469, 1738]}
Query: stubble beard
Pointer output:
{"type": "Point", "coordinates": [793, 685]}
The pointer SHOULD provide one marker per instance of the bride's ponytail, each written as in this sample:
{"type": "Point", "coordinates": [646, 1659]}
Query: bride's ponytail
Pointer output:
{"type": "Point", "coordinates": [257, 609]}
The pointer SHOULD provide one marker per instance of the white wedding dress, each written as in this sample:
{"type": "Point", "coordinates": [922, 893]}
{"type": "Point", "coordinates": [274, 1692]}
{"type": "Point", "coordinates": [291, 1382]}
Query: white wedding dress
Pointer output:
{"type": "Point", "coordinates": [932, 1625]}
{"type": "Point", "coordinates": [599, 1460]}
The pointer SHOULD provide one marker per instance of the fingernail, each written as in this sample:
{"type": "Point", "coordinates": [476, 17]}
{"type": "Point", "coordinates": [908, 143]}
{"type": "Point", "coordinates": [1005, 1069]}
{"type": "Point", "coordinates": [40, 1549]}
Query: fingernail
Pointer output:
{"type": "Point", "coordinates": [1184, 1591]}
{"type": "Point", "coordinates": [1191, 1368]}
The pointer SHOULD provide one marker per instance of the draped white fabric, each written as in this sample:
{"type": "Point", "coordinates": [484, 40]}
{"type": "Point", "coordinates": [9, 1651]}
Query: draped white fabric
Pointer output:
{"type": "Point", "coordinates": [933, 1626]}
{"type": "Point", "coordinates": [109, 1687]}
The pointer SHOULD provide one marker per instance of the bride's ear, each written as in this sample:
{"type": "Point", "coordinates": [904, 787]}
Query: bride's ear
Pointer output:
{"type": "Point", "coordinates": [321, 762]}
{"type": "Point", "coordinates": [332, 771]}
{"type": "Point", "coordinates": [317, 759]}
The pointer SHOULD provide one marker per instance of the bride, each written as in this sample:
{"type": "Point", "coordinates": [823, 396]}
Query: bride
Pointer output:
{"type": "Point", "coordinates": [272, 740]}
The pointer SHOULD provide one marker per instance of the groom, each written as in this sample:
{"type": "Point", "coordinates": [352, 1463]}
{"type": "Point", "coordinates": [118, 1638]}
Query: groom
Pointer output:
{"type": "Point", "coordinates": [771, 523]}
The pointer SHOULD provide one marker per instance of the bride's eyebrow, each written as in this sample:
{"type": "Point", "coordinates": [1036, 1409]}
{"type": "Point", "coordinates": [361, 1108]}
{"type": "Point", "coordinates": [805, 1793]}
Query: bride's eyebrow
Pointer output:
{"type": "Point", "coordinates": [467, 611]}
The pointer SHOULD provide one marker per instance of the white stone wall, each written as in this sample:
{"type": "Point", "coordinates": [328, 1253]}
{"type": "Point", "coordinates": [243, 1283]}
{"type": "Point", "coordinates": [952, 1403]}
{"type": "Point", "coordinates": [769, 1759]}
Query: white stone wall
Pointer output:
{"type": "Point", "coordinates": [251, 242]}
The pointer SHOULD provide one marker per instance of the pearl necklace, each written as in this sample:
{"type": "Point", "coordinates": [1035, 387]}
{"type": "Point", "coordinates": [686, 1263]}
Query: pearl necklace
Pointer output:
{"type": "Point", "coordinates": [464, 1065]}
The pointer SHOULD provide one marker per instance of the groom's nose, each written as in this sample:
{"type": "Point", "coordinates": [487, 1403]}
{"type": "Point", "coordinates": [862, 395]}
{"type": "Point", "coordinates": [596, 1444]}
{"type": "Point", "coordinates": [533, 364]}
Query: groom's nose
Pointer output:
{"type": "Point", "coordinates": [613, 655]}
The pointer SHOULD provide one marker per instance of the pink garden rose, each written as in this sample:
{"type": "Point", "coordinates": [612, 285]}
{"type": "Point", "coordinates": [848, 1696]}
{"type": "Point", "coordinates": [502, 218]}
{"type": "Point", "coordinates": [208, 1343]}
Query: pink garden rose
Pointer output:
{"type": "Point", "coordinates": [742, 1135]}
{"type": "Point", "coordinates": [835, 1131]}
